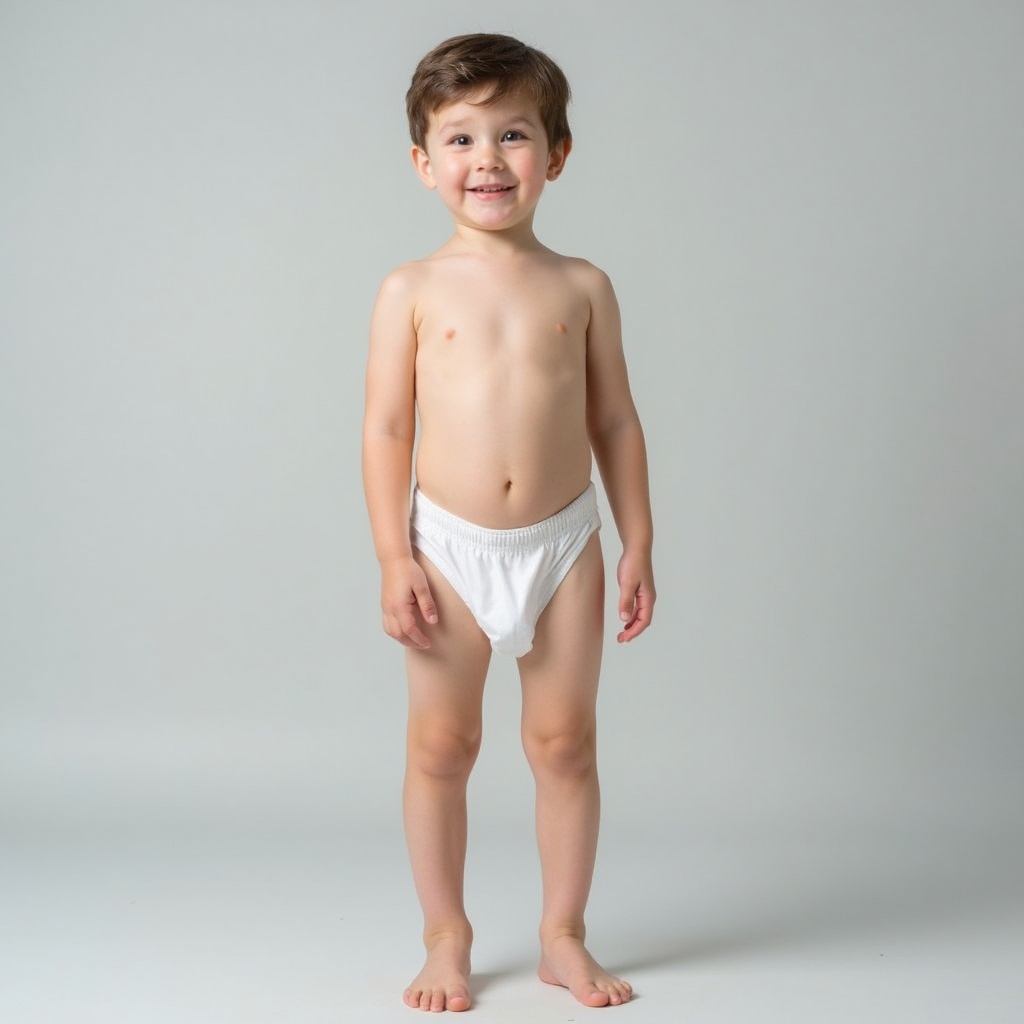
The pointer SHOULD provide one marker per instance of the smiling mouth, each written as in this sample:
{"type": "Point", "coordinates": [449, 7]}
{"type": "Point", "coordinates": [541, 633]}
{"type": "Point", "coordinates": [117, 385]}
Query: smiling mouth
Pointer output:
{"type": "Point", "coordinates": [491, 189]}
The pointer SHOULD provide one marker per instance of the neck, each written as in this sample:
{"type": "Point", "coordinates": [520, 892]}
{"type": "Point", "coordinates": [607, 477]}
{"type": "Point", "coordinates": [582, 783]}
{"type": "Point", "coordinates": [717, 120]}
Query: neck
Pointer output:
{"type": "Point", "coordinates": [497, 243]}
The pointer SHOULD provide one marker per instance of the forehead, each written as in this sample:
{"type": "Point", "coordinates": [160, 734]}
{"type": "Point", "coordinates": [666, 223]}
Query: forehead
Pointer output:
{"type": "Point", "coordinates": [477, 108]}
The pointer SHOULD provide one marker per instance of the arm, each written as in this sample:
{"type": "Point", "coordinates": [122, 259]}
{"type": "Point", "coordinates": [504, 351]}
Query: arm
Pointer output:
{"type": "Point", "coordinates": [389, 430]}
{"type": "Point", "coordinates": [618, 443]}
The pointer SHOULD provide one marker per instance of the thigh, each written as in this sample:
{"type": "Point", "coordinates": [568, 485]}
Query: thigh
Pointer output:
{"type": "Point", "coordinates": [446, 681]}
{"type": "Point", "coordinates": [560, 674]}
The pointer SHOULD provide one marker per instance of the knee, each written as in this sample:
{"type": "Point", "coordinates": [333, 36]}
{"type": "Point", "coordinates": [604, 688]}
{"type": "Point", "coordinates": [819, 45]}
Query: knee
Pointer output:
{"type": "Point", "coordinates": [443, 752]}
{"type": "Point", "coordinates": [567, 753]}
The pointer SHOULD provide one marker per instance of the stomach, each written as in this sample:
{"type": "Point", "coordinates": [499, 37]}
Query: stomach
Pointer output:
{"type": "Point", "coordinates": [514, 472]}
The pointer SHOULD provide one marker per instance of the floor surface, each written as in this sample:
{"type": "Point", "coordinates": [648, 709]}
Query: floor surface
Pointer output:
{"type": "Point", "coordinates": [205, 926]}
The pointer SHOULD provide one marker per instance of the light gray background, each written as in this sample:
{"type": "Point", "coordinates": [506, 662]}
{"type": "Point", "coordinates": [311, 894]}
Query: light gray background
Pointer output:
{"type": "Point", "coordinates": [813, 216]}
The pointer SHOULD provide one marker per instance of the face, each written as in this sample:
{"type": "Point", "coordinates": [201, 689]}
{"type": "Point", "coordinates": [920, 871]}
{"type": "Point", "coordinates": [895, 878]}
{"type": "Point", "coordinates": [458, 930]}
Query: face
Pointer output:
{"type": "Point", "coordinates": [489, 163]}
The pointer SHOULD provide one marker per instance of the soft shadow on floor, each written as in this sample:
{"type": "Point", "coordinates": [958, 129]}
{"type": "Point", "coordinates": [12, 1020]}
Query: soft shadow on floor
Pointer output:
{"type": "Point", "coordinates": [772, 900]}
{"type": "Point", "coordinates": [481, 981]}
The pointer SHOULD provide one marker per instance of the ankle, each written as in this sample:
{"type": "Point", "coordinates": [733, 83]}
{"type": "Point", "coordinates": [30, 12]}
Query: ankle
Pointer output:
{"type": "Point", "coordinates": [451, 931]}
{"type": "Point", "coordinates": [551, 932]}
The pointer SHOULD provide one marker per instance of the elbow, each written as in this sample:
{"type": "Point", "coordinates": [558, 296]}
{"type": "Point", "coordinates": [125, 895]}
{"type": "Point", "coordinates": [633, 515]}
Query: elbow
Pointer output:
{"type": "Point", "coordinates": [612, 429]}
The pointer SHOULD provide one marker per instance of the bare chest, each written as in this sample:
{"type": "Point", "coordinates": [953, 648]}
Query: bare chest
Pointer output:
{"type": "Point", "coordinates": [502, 329]}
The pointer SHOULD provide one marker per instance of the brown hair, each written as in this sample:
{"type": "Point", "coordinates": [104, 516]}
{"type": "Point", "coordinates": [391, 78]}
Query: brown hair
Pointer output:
{"type": "Point", "coordinates": [463, 64]}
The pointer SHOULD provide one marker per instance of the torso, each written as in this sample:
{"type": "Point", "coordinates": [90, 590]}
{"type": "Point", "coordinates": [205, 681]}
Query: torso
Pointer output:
{"type": "Point", "coordinates": [501, 347]}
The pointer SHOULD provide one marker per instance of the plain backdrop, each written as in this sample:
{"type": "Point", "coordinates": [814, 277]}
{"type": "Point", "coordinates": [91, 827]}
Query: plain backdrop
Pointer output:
{"type": "Point", "coordinates": [813, 216]}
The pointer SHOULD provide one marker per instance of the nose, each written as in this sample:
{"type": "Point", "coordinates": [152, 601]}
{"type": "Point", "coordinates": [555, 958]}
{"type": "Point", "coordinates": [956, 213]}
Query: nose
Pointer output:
{"type": "Point", "coordinates": [488, 157]}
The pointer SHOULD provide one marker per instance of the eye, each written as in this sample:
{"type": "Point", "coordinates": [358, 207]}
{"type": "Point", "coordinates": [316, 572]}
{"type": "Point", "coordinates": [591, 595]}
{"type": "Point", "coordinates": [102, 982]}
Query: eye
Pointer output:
{"type": "Point", "coordinates": [513, 135]}
{"type": "Point", "coordinates": [460, 140]}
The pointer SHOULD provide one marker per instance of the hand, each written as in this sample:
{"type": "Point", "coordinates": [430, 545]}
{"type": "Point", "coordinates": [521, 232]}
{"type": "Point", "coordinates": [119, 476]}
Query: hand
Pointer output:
{"type": "Point", "coordinates": [406, 602]}
{"type": "Point", "coordinates": [636, 594]}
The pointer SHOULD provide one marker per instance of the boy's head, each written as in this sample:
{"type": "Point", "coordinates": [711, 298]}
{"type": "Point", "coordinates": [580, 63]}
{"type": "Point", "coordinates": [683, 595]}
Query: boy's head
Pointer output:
{"type": "Point", "coordinates": [463, 65]}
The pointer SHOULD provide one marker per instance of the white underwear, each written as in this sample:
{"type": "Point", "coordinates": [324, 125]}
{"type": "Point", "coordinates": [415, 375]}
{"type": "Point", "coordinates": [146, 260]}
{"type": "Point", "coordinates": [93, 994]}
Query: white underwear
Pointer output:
{"type": "Point", "coordinates": [505, 577]}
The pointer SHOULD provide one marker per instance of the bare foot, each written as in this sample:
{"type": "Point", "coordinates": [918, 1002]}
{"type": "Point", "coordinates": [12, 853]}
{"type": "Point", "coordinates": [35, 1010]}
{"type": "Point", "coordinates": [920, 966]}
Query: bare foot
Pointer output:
{"type": "Point", "coordinates": [566, 962]}
{"type": "Point", "coordinates": [443, 984]}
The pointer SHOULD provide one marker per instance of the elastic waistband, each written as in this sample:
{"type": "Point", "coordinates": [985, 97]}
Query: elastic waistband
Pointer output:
{"type": "Point", "coordinates": [432, 519]}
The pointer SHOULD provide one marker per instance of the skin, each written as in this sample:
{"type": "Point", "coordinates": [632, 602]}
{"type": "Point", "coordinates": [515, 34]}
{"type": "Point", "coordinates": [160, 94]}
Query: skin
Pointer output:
{"type": "Point", "coordinates": [512, 356]}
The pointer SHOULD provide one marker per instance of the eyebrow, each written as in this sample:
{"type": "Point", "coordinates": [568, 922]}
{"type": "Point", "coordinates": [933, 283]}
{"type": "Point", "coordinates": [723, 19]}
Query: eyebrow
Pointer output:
{"type": "Point", "coordinates": [449, 126]}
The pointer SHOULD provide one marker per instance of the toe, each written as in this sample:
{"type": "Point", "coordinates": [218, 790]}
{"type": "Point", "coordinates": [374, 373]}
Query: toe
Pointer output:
{"type": "Point", "coordinates": [593, 996]}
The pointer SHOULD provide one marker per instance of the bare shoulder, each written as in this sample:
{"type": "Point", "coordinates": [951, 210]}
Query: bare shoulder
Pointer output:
{"type": "Point", "coordinates": [590, 279]}
{"type": "Point", "coordinates": [401, 296]}
{"type": "Point", "coordinates": [414, 282]}
{"type": "Point", "coordinates": [403, 282]}
{"type": "Point", "coordinates": [595, 286]}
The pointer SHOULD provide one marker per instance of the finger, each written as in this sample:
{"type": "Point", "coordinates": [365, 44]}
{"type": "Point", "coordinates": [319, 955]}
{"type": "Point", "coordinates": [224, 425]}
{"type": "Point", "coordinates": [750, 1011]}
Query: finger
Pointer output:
{"type": "Point", "coordinates": [640, 621]}
{"type": "Point", "coordinates": [425, 602]}
{"type": "Point", "coordinates": [632, 631]}
{"type": "Point", "coordinates": [406, 632]}
{"type": "Point", "coordinates": [627, 603]}
{"type": "Point", "coordinates": [412, 635]}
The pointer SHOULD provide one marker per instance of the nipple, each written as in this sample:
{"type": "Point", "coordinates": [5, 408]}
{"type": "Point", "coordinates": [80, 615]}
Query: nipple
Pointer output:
{"type": "Point", "coordinates": [449, 334]}
{"type": "Point", "coordinates": [561, 328]}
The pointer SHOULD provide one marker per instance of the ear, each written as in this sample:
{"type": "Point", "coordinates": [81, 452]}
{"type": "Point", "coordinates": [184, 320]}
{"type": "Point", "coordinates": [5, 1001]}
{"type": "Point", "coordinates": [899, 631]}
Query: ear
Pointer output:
{"type": "Point", "coordinates": [421, 162]}
{"type": "Point", "coordinates": [557, 157]}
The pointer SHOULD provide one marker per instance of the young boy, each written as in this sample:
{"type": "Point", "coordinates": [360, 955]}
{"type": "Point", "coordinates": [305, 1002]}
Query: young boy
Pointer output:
{"type": "Point", "coordinates": [512, 356]}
